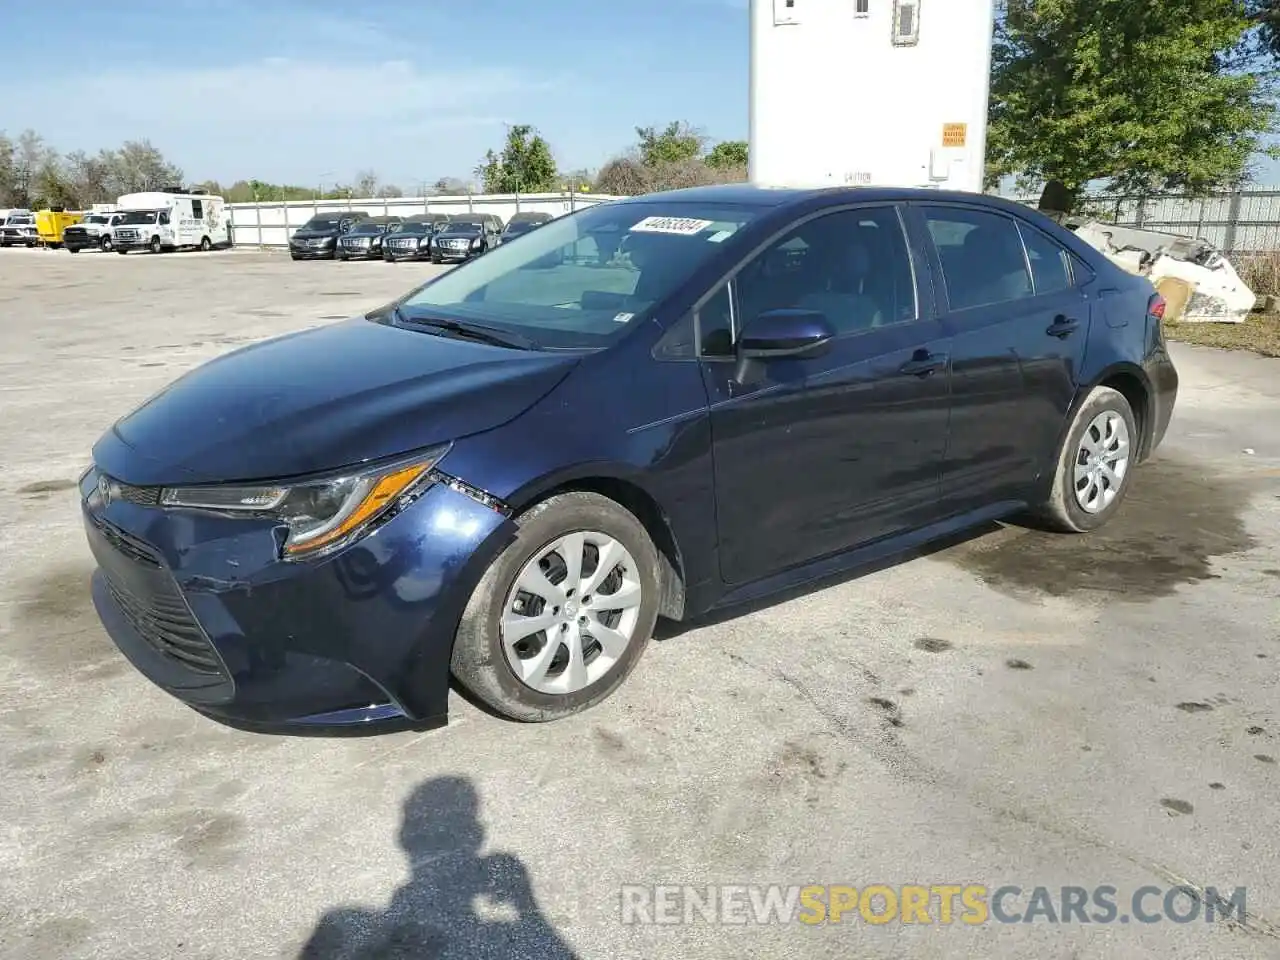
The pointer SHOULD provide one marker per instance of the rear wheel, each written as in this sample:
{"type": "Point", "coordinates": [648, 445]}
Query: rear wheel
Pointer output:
{"type": "Point", "coordinates": [122, 252]}
{"type": "Point", "coordinates": [205, 244]}
{"type": "Point", "coordinates": [73, 249]}
{"type": "Point", "coordinates": [563, 614]}
{"type": "Point", "coordinates": [1094, 465]}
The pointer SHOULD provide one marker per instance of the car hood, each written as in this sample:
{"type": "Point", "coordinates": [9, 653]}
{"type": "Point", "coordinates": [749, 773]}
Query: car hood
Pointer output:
{"type": "Point", "coordinates": [320, 400]}
{"type": "Point", "coordinates": [313, 234]}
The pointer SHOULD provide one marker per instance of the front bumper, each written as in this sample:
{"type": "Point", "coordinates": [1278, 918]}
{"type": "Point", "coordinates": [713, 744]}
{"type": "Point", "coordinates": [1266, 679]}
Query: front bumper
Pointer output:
{"type": "Point", "coordinates": [371, 252]}
{"type": "Point", "coordinates": [358, 642]}
{"type": "Point", "coordinates": [445, 254]}
{"type": "Point", "coordinates": [304, 251]}
{"type": "Point", "coordinates": [14, 237]}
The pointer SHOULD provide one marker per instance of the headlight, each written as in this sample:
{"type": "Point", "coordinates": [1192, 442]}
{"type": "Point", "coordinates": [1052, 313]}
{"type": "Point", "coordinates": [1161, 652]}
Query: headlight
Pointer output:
{"type": "Point", "coordinates": [322, 515]}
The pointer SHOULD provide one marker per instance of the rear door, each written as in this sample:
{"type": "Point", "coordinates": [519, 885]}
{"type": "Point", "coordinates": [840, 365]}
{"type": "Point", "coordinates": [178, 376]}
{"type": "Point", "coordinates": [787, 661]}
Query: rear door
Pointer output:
{"type": "Point", "coordinates": [815, 456]}
{"type": "Point", "coordinates": [1020, 322]}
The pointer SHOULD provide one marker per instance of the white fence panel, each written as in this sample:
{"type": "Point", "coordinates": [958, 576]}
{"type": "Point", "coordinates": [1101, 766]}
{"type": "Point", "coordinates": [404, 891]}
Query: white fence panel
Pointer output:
{"type": "Point", "coordinates": [271, 223]}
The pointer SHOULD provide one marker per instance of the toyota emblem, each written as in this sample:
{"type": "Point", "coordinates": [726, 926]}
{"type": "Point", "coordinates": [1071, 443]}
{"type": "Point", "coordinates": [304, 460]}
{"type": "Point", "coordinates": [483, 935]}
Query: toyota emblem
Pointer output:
{"type": "Point", "coordinates": [104, 491]}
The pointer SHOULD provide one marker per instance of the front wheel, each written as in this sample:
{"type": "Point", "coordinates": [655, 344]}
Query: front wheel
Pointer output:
{"type": "Point", "coordinates": [1095, 464]}
{"type": "Point", "coordinates": [105, 244]}
{"type": "Point", "coordinates": [155, 246]}
{"type": "Point", "coordinates": [73, 249]}
{"type": "Point", "coordinates": [563, 614]}
{"type": "Point", "coordinates": [122, 252]}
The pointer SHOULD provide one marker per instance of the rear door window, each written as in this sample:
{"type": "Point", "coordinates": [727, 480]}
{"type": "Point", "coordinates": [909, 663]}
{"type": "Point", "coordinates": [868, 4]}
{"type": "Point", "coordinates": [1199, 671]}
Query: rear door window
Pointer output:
{"type": "Point", "coordinates": [983, 262]}
{"type": "Point", "coordinates": [1050, 263]}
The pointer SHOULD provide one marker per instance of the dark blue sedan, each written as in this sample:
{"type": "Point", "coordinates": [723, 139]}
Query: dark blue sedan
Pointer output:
{"type": "Point", "coordinates": [652, 407]}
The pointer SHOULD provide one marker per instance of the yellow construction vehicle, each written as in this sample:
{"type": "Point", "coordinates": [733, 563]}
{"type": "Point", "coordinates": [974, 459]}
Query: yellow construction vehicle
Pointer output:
{"type": "Point", "coordinates": [50, 224]}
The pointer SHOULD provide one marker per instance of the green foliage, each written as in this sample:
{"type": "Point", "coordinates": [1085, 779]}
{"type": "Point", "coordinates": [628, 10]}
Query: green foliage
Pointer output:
{"type": "Point", "coordinates": [729, 153]}
{"type": "Point", "coordinates": [525, 164]}
{"type": "Point", "coordinates": [1146, 95]}
{"type": "Point", "coordinates": [678, 142]}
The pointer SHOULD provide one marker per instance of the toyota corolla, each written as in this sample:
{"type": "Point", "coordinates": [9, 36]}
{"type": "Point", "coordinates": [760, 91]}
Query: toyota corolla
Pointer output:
{"type": "Point", "coordinates": [505, 476]}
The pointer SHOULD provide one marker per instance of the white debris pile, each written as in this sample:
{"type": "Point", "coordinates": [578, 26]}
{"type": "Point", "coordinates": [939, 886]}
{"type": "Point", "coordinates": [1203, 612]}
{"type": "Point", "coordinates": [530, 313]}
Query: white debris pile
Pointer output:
{"type": "Point", "coordinates": [1196, 279]}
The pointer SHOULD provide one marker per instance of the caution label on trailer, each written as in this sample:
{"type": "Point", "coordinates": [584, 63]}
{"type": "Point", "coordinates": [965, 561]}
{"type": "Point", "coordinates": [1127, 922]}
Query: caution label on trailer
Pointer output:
{"type": "Point", "coordinates": [954, 134]}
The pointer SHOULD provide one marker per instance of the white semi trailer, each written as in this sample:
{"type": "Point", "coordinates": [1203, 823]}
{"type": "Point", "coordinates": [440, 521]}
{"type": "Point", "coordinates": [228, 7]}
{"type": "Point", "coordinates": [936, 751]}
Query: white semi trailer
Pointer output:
{"type": "Point", "coordinates": [870, 92]}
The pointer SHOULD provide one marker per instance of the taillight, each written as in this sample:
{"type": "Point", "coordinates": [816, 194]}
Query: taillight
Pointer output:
{"type": "Point", "coordinates": [1155, 306]}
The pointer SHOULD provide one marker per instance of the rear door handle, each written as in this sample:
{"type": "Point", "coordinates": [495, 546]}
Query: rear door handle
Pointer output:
{"type": "Point", "coordinates": [923, 365]}
{"type": "Point", "coordinates": [1062, 326]}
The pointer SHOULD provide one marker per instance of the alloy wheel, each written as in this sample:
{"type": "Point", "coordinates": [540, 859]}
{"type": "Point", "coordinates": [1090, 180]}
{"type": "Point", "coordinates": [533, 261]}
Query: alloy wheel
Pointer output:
{"type": "Point", "coordinates": [571, 613]}
{"type": "Point", "coordinates": [1102, 460]}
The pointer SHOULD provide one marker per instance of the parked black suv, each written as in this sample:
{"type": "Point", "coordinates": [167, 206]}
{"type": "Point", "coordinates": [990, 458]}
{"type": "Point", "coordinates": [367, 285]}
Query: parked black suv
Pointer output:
{"type": "Point", "coordinates": [413, 240]}
{"type": "Point", "coordinates": [317, 239]}
{"type": "Point", "coordinates": [364, 240]}
{"type": "Point", "coordinates": [467, 235]}
{"type": "Point", "coordinates": [522, 223]}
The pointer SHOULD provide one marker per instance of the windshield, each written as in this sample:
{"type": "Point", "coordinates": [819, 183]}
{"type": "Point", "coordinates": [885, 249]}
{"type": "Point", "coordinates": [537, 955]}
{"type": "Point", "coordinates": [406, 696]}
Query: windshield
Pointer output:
{"type": "Point", "coordinates": [96, 218]}
{"type": "Point", "coordinates": [417, 228]}
{"type": "Point", "coordinates": [520, 226]}
{"type": "Point", "coordinates": [367, 227]}
{"type": "Point", "coordinates": [139, 216]}
{"type": "Point", "coordinates": [465, 226]}
{"type": "Point", "coordinates": [581, 279]}
{"type": "Point", "coordinates": [322, 223]}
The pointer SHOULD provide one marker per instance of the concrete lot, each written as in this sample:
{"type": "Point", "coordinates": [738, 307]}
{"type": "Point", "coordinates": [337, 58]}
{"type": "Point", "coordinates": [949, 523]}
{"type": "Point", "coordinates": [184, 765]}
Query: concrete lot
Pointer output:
{"type": "Point", "coordinates": [1018, 709]}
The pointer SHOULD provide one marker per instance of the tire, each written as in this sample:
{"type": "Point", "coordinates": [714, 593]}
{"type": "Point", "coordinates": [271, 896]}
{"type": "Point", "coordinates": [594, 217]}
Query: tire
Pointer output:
{"type": "Point", "coordinates": [155, 246]}
{"type": "Point", "coordinates": [73, 249]}
{"type": "Point", "coordinates": [1062, 509]}
{"type": "Point", "coordinates": [205, 244]}
{"type": "Point", "coordinates": [121, 251]}
{"type": "Point", "coordinates": [294, 257]}
{"type": "Point", "coordinates": [480, 662]}
{"type": "Point", "coordinates": [106, 244]}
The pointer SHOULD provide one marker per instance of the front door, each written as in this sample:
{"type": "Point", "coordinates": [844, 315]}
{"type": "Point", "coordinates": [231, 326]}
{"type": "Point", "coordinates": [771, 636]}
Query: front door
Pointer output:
{"type": "Point", "coordinates": [1020, 321]}
{"type": "Point", "coordinates": [815, 456]}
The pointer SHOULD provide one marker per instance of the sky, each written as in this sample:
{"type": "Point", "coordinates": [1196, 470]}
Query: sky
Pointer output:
{"type": "Point", "coordinates": [310, 92]}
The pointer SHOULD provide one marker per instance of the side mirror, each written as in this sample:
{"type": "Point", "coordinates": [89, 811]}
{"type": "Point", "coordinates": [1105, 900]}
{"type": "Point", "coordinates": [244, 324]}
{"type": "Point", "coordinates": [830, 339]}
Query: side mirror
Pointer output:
{"type": "Point", "coordinates": [776, 334]}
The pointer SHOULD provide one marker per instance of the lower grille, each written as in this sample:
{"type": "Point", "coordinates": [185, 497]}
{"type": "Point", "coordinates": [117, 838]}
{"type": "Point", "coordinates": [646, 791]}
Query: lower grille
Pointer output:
{"type": "Point", "coordinates": [168, 627]}
{"type": "Point", "coordinates": [151, 602]}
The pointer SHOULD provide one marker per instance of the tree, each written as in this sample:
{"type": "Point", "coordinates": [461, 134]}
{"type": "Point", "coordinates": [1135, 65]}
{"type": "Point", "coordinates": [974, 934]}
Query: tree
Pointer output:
{"type": "Point", "coordinates": [1143, 96]}
{"type": "Point", "coordinates": [525, 164]}
{"type": "Point", "coordinates": [366, 184]}
{"type": "Point", "coordinates": [677, 142]}
{"type": "Point", "coordinates": [450, 187]}
{"type": "Point", "coordinates": [728, 153]}
{"type": "Point", "coordinates": [31, 155]}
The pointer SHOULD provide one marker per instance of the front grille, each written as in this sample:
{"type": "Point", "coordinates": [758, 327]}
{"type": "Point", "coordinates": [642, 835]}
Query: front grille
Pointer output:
{"type": "Point", "coordinates": [166, 624]}
{"type": "Point", "coordinates": [75, 232]}
{"type": "Point", "coordinates": [150, 601]}
{"type": "Point", "coordinates": [127, 234]}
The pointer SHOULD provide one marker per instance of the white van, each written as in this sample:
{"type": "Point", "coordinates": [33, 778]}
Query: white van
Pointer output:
{"type": "Point", "coordinates": [159, 221]}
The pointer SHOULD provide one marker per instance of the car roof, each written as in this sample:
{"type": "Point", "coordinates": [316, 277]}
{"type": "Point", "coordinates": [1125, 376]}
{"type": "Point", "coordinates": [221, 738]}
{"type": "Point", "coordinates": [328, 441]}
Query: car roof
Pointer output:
{"type": "Point", "coordinates": [744, 194]}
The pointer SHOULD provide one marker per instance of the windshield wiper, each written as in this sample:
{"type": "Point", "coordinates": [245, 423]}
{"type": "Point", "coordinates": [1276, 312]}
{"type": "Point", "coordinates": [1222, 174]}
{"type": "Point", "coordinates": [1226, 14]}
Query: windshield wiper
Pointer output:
{"type": "Point", "coordinates": [467, 330]}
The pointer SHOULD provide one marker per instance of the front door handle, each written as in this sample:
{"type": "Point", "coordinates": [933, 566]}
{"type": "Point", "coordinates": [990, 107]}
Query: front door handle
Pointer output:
{"type": "Point", "coordinates": [923, 364]}
{"type": "Point", "coordinates": [1062, 326]}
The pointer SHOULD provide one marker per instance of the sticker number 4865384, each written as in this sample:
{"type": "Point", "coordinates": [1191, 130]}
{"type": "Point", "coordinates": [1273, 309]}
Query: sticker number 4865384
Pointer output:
{"type": "Point", "coordinates": [686, 226]}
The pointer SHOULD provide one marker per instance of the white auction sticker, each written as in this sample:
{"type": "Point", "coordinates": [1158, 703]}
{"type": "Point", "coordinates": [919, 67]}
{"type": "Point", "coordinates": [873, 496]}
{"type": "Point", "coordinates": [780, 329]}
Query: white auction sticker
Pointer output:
{"type": "Point", "coordinates": [623, 317]}
{"type": "Point", "coordinates": [685, 226]}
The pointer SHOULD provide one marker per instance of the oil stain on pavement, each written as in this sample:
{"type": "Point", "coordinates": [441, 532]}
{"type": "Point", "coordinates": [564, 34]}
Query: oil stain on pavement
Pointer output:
{"type": "Point", "coordinates": [1177, 517]}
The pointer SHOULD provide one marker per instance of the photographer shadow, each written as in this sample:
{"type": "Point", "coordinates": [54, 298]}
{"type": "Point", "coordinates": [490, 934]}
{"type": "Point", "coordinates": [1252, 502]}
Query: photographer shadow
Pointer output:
{"type": "Point", "coordinates": [456, 902]}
